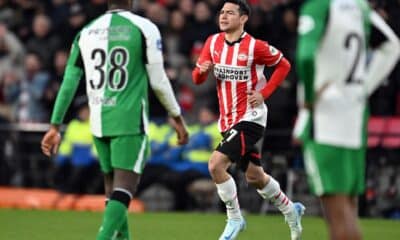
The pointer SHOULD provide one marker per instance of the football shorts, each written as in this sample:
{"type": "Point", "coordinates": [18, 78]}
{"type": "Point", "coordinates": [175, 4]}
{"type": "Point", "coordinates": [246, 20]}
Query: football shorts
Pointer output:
{"type": "Point", "coordinates": [128, 152]}
{"type": "Point", "coordinates": [334, 170]}
{"type": "Point", "coordinates": [242, 144]}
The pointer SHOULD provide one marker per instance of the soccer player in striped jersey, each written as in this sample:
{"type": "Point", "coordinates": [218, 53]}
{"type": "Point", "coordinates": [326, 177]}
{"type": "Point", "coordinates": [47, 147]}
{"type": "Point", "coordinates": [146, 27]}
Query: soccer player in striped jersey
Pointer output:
{"type": "Point", "coordinates": [336, 80]}
{"type": "Point", "coordinates": [119, 52]}
{"type": "Point", "coordinates": [238, 60]}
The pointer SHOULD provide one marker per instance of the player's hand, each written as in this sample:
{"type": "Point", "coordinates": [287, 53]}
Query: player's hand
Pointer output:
{"type": "Point", "coordinates": [302, 130]}
{"type": "Point", "coordinates": [51, 141]}
{"type": "Point", "coordinates": [205, 67]}
{"type": "Point", "coordinates": [178, 123]}
{"type": "Point", "coordinates": [255, 98]}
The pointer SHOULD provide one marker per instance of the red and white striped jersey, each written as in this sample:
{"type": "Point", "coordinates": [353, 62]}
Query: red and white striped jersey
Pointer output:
{"type": "Point", "coordinates": [238, 68]}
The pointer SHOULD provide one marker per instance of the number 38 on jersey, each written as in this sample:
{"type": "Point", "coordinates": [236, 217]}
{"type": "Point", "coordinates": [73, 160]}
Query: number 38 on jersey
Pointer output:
{"type": "Point", "coordinates": [109, 70]}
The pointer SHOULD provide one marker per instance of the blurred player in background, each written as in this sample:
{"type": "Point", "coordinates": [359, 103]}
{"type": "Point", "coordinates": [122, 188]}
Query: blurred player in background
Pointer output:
{"type": "Point", "coordinates": [119, 52]}
{"type": "Point", "coordinates": [238, 61]}
{"type": "Point", "coordinates": [339, 67]}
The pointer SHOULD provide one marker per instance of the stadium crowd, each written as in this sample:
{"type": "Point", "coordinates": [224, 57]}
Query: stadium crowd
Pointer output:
{"type": "Point", "coordinates": [35, 37]}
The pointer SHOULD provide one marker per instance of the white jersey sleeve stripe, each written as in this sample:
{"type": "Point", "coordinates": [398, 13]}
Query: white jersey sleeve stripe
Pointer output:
{"type": "Point", "coordinates": [159, 82]}
{"type": "Point", "coordinates": [384, 58]}
{"type": "Point", "coordinates": [277, 61]}
{"type": "Point", "coordinates": [152, 36]}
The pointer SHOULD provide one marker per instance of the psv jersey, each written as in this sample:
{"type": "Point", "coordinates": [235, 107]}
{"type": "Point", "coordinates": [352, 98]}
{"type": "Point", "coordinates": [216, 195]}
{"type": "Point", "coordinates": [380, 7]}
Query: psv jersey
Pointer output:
{"type": "Point", "coordinates": [238, 68]}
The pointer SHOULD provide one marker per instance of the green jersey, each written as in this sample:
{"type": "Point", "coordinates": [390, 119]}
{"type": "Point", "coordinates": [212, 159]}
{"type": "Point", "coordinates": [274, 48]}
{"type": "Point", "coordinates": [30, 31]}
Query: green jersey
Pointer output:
{"type": "Point", "coordinates": [116, 52]}
{"type": "Point", "coordinates": [333, 70]}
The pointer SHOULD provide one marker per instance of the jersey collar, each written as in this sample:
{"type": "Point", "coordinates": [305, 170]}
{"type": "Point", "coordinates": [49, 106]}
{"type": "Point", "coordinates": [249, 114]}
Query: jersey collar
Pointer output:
{"type": "Point", "coordinates": [116, 10]}
{"type": "Point", "coordinates": [237, 41]}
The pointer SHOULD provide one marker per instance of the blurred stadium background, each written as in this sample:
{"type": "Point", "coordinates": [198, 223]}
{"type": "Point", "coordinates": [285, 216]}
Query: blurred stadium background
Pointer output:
{"type": "Point", "coordinates": [35, 36]}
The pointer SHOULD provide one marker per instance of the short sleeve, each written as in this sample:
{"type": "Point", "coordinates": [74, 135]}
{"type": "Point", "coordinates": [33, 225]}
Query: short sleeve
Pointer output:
{"type": "Point", "coordinates": [265, 54]}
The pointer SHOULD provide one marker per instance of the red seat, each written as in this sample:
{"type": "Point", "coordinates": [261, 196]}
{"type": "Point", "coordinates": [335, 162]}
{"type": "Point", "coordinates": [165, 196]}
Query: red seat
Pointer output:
{"type": "Point", "coordinates": [376, 128]}
{"type": "Point", "coordinates": [392, 133]}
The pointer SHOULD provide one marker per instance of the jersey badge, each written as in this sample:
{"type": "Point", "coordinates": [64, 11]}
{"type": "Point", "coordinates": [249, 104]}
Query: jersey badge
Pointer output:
{"type": "Point", "coordinates": [242, 57]}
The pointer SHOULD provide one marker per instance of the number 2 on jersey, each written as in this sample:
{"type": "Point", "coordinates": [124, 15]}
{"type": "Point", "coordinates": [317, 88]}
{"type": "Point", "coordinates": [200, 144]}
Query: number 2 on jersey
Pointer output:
{"type": "Point", "coordinates": [353, 40]}
{"type": "Point", "coordinates": [116, 75]}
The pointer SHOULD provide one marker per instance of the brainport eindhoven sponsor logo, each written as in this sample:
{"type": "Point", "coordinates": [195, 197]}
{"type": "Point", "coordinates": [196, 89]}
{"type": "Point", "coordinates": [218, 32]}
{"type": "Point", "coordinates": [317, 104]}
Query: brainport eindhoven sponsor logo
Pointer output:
{"type": "Point", "coordinates": [230, 73]}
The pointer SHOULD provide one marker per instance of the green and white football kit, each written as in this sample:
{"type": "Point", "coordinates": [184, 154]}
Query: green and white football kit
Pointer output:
{"type": "Point", "coordinates": [119, 53]}
{"type": "Point", "coordinates": [336, 81]}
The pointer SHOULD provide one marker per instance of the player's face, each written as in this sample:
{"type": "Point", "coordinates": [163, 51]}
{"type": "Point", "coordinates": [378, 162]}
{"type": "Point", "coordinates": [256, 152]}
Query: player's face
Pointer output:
{"type": "Point", "coordinates": [230, 19]}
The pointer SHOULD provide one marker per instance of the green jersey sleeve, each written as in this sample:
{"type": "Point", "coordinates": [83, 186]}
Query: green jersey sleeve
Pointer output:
{"type": "Point", "coordinates": [312, 24]}
{"type": "Point", "coordinates": [72, 75]}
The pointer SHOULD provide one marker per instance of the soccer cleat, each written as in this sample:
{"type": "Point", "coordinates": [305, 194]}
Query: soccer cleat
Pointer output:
{"type": "Point", "coordinates": [232, 229]}
{"type": "Point", "coordinates": [294, 221]}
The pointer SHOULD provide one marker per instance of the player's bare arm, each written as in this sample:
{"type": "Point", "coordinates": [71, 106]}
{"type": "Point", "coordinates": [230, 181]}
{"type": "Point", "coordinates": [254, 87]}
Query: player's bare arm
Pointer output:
{"type": "Point", "coordinates": [178, 123]}
{"type": "Point", "coordinates": [51, 141]}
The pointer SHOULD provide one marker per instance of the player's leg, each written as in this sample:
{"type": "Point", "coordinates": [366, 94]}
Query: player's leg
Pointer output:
{"type": "Point", "coordinates": [103, 147]}
{"type": "Point", "coordinates": [123, 233]}
{"type": "Point", "coordinates": [270, 189]}
{"type": "Point", "coordinates": [340, 217]}
{"type": "Point", "coordinates": [356, 230]}
{"type": "Point", "coordinates": [226, 186]}
{"type": "Point", "coordinates": [128, 154]}
{"type": "Point", "coordinates": [233, 148]}
{"type": "Point", "coordinates": [227, 192]}
{"type": "Point", "coordinates": [337, 174]}
{"type": "Point", "coordinates": [265, 184]}
{"type": "Point", "coordinates": [115, 214]}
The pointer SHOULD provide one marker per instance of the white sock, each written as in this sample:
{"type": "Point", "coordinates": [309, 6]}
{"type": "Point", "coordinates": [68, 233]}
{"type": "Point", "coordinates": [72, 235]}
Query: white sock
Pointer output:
{"type": "Point", "coordinates": [272, 191]}
{"type": "Point", "coordinates": [228, 194]}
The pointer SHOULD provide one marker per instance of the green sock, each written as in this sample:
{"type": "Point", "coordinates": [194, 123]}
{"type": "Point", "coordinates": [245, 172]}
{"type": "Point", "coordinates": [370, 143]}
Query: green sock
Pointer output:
{"type": "Point", "coordinates": [124, 231]}
{"type": "Point", "coordinates": [113, 219]}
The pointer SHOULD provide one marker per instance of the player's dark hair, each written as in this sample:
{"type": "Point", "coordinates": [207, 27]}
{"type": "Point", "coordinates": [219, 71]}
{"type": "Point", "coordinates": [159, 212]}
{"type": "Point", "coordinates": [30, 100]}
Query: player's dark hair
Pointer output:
{"type": "Point", "coordinates": [244, 8]}
{"type": "Point", "coordinates": [119, 3]}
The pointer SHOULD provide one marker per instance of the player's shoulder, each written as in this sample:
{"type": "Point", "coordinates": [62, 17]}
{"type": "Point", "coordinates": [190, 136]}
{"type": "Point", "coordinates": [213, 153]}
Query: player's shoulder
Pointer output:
{"type": "Point", "coordinates": [216, 36]}
{"type": "Point", "coordinates": [310, 6]}
{"type": "Point", "coordinates": [146, 26]}
{"type": "Point", "coordinates": [261, 44]}
{"type": "Point", "coordinates": [262, 47]}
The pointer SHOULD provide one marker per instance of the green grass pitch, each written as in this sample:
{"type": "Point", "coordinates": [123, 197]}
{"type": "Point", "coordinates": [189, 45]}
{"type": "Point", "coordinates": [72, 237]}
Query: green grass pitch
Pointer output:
{"type": "Point", "coordinates": [53, 225]}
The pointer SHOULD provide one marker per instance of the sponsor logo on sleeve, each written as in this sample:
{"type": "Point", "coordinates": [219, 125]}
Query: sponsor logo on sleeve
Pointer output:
{"type": "Point", "coordinates": [273, 50]}
{"type": "Point", "coordinates": [159, 44]}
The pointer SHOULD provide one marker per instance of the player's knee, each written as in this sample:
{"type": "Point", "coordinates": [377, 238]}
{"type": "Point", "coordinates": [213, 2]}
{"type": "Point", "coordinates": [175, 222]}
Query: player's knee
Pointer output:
{"type": "Point", "coordinates": [217, 165]}
{"type": "Point", "coordinates": [255, 179]}
{"type": "Point", "coordinates": [214, 168]}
